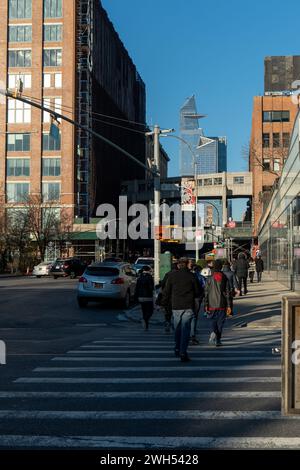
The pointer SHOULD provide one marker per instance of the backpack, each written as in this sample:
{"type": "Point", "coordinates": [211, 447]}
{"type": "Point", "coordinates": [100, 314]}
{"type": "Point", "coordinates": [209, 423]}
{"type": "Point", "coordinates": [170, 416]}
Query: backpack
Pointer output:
{"type": "Point", "coordinates": [201, 280]}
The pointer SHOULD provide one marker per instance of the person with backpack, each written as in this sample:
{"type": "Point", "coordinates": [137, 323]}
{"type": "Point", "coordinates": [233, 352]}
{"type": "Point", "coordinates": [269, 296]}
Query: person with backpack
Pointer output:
{"type": "Point", "coordinates": [144, 294]}
{"type": "Point", "coordinates": [217, 302]}
{"type": "Point", "coordinates": [233, 284]}
{"type": "Point", "coordinates": [241, 271]}
{"type": "Point", "coordinates": [195, 269]}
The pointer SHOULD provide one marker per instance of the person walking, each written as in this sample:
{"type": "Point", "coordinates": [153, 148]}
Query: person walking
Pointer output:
{"type": "Point", "coordinates": [217, 302]}
{"type": "Point", "coordinates": [144, 294]}
{"type": "Point", "coordinates": [252, 269]}
{"type": "Point", "coordinates": [233, 284]}
{"type": "Point", "coordinates": [167, 308]}
{"type": "Point", "coordinates": [195, 269]}
{"type": "Point", "coordinates": [241, 271]}
{"type": "Point", "coordinates": [181, 291]}
{"type": "Point", "coordinates": [259, 264]}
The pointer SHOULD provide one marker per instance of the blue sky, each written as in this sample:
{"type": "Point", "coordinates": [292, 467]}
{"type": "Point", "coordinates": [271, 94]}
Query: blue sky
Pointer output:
{"type": "Point", "coordinates": [213, 49]}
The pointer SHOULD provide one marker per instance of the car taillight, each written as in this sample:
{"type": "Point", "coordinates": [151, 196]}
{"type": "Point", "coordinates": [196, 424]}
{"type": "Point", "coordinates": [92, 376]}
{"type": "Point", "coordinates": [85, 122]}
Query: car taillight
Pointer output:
{"type": "Point", "coordinates": [118, 280]}
{"type": "Point", "coordinates": [65, 266]}
{"type": "Point", "coordinates": [82, 279]}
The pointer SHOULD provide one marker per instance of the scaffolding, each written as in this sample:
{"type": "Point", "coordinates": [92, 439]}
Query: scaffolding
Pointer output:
{"type": "Point", "coordinates": [84, 59]}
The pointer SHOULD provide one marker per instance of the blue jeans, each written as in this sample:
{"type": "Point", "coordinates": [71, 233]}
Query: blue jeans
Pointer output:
{"type": "Point", "coordinates": [217, 320]}
{"type": "Point", "coordinates": [198, 303]}
{"type": "Point", "coordinates": [182, 327]}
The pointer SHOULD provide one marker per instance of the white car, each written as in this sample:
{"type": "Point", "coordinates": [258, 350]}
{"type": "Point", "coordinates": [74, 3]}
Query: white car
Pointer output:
{"type": "Point", "coordinates": [42, 269]}
{"type": "Point", "coordinates": [107, 280]}
{"type": "Point", "coordinates": [141, 262]}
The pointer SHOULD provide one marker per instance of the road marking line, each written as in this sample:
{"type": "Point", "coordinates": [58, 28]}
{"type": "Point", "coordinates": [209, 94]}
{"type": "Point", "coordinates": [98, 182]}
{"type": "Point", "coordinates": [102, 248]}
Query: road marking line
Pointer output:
{"type": "Point", "coordinates": [161, 415]}
{"type": "Point", "coordinates": [159, 359]}
{"type": "Point", "coordinates": [182, 368]}
{"type": "Point", "coordinates": [145, 394]}
{"type": "Point", "coordinates": [155, 442]}
{"type": "Point", "coordinates": [142, 380]}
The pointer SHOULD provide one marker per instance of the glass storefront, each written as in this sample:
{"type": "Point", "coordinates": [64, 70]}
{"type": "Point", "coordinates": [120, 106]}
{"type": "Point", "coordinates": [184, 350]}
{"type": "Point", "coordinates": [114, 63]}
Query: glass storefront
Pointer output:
{"type": "Point", "coordinates": [279, 233]}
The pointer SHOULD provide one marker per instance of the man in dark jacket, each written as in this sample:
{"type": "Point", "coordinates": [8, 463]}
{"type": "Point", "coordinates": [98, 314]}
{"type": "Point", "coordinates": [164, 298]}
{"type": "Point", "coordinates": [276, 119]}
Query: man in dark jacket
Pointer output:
{"type": "Point", "coordinates": [217, 302]}
{"type": "Point", "coordinates": [241, 271]}
{"type": "Point", "coordinates": [144, 294]}
{"type": "Point", "coordinates": [181, 291]}
{"type": "Point", "coordinates": [259, 265]}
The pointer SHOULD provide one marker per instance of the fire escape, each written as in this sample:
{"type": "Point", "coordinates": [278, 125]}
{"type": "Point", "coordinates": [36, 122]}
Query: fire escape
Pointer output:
{"type": "Point", "coordinates": [84, 58]}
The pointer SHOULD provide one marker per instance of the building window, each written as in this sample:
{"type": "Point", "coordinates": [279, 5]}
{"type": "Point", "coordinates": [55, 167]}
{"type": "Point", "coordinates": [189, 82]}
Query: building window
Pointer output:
{"type": "Point", "coordinates": [51, 191]}
{"type": "Point", "coordinates": [18, 167]}
{"type": "Point", "coordinates": [13, 80]}
{"type": "Point", "coordinates": [200, 182]}
{"type": "Point", "coordinates": [217, 181]}
{"type": "Point", "coordinates": [20, 33]}
{"type": "Point", "coordinates": [52, 8]}
{"type": "Point", "coordinates": [52, 57]}
{"type": "Point", "coordinates": [18, 112]}
{"type": "Point", "coordinates": [19, 9]}
{"type": "Point", "coordinates": [276, 116]}
{"type": "Point", "coordinates": [51, 166]}
{"type": "Point", "coordinates": [53, 32]}
{"type": "Point", "coordinates": [238, 180]}
{"type": "Point", "coordinates": [266, 140]}
{"type": "Point", "coordinates": [49, 143]}
{"type": "Point", "coordinates": [276, 140]}
{"type": "Point", "coordinates": [17, 192]}
{"type": "Point", "coordinates": [58, 80]}
{"type": "Point", "coordinates": [18, 142]}
{"type": "Point", "coordinates": [47, 80]}
{"type": "Point", "coordinates": [266, 164]}
{"type": "Point", "coordinates": [19, 58]}
{"type": "Point", "coordinates": [208, 182]}
{"type": "Point", "coordinates": [286, 139]}
{"type": "Point", "coordinates": [53, 104]}
{"type": "Point", "coordinates": [276, 164]}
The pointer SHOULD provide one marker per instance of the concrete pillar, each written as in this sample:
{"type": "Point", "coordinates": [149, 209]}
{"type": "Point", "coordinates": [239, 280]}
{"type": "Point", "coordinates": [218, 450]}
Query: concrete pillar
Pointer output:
{"type": "Point", "coordinates": [224, 198]}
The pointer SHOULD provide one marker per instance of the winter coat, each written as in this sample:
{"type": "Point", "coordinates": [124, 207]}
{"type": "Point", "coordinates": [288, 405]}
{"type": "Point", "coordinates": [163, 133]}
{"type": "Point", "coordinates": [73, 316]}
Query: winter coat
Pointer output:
{"type": "Point", "coordinates": [241, 266]}
{"type": "Point", "coordinates": [181, 290]}
{"type": "Point", "coordinates": [233, 284]}
{"type": "Point", "coordinates": [217, 292]}
{"type": "Point", "coordinates": [259, 265]}
{"type": "Point", "coordinates": [144, 288]}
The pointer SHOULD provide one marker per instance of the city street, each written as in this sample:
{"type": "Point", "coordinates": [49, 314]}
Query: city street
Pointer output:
{"type": "Point", "coordinates": [81, 378]}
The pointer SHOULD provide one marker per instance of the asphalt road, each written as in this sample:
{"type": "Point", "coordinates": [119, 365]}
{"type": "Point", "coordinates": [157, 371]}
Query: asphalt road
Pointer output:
{"type": "Point", "coordinates": [80, 378]}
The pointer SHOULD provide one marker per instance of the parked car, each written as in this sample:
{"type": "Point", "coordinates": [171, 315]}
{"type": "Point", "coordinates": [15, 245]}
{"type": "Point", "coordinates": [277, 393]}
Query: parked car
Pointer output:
{"type": "Point", "coordinates": [108, 280]}
{"type": "Point", "coordinates": [72, 267]}
{"type": "Point", "coordinates": [141, 262]}
{"type": "Point", "coordinates": [42, 269]}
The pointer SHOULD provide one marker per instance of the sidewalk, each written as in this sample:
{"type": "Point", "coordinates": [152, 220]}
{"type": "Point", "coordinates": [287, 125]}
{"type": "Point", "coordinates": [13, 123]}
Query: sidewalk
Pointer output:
{"type": "Point", "coordinates": [259, 309]}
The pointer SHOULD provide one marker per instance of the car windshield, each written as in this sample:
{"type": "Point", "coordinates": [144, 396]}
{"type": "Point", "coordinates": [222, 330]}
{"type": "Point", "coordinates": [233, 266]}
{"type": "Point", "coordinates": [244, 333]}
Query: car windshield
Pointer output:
{"type": "Point", "coordinates": [101, 271]}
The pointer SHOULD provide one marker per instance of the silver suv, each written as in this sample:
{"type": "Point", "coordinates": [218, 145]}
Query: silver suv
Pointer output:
{"type": "Point", "coordinates": [107, 280]}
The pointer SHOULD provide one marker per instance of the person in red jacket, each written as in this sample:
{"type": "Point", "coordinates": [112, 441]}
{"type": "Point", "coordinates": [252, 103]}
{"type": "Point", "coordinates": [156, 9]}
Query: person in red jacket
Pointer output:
{"type": "Point", "coordinates": [217, 302]}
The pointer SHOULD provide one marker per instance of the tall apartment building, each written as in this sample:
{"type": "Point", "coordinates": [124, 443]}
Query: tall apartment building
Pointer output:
{"type": "Point", "coordinates": [70, 58]}
{"type": "Point", "coordinates": [273, 119]}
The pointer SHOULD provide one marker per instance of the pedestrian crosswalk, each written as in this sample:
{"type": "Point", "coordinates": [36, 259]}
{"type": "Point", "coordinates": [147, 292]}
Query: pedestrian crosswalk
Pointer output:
{"type": "Point", "coordinates": [127, 390]}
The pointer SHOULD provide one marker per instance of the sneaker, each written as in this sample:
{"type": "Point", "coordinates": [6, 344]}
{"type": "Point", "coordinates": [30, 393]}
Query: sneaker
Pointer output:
{"type": "Point", "coordinates": [184, 358]}
{"type": "Point", "coordinates": [194, 340]}
{"type": "Point", "coordinates": [219, 343]}
{"type": "Point", "coordinates": [176, 352]}
{"type": "Point", "coordinates": [212, 338]}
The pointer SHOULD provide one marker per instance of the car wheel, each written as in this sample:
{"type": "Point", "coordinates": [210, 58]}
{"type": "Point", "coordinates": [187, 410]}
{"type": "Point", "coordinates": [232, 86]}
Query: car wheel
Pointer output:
{"type": "Point", "coordinates": [82, 302]}
{"type": "Point", "coordinates": [55, 277]}
{"type": "Point", "coordinates": [126, 300]}
{"type": "Point", "coordinates": [38, 277]}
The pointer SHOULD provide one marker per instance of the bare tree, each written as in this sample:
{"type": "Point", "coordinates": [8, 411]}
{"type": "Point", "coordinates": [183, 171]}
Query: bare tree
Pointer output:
{"type": "Point", "coordinates": [257, 154]}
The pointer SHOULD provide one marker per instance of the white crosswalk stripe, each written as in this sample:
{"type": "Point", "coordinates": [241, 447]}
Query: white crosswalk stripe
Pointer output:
{"type": "Point", "coordinates": [124, 378]}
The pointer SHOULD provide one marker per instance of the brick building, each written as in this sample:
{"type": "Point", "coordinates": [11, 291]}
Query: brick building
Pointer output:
{"type": "Point", "coordinates": [272, 124]}
{"type": "Point", "coordinates": [68, 56]}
